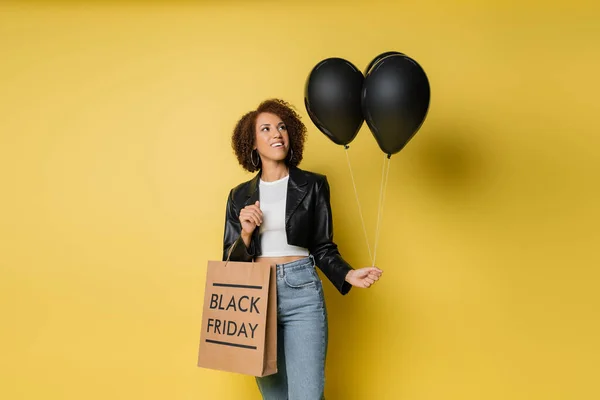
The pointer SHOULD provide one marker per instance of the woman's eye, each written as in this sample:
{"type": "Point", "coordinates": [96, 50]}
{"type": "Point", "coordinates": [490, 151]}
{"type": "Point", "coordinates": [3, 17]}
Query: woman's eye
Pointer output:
{"type": "Point", "coordinates": [283, 128]}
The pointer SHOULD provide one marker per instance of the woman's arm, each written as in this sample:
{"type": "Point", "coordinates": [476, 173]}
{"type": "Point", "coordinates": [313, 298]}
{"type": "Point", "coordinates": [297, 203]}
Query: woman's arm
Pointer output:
{"type": "Point", "coordinates": [324, 249]}
{"type": "Point", "coordinates": [234, 247]}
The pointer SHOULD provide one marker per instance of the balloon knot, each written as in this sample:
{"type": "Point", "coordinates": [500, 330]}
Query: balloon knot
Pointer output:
{"type": "Point", "coordinates": [346, 147]}
{"type": "Point", "coordinates": [389, 156]}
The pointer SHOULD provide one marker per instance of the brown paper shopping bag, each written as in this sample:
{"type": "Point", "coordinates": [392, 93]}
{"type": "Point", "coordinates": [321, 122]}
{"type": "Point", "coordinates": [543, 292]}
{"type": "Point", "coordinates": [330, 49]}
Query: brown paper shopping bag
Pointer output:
{"type": "Point", "coordinates": [239, 318]}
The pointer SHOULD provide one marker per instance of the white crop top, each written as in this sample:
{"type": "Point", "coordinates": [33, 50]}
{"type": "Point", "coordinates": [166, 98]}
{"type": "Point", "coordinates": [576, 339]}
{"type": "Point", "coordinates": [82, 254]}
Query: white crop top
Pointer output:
{"type": "Point", "coordinates": [273, 238]}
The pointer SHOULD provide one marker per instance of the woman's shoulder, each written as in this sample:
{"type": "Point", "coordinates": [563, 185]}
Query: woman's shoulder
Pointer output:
{"type": "Point", "coordinates": [240, 187]}
{"type": "Point", "coordinates": [242, 190]}
{"type": "Point", "coordinates": [309, 176]}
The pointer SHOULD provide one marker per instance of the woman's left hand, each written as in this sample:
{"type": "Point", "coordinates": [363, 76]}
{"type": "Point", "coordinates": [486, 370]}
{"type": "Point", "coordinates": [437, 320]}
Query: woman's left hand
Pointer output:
{"type": "Point", "coordinates": [363, 277]}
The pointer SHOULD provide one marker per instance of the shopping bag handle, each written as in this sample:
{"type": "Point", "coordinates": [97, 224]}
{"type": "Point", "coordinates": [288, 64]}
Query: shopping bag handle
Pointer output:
{"type": "Point", "coordinates": [229, 255]}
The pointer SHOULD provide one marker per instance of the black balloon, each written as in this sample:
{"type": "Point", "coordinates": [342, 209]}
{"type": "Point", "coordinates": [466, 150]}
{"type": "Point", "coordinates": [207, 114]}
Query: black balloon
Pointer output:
{"type": "Point", "coordinates": [332, 96]}
{"type": "Point", "coordinates": [378, 58]}
{"type": "Point", "coordinates": [395, 101]}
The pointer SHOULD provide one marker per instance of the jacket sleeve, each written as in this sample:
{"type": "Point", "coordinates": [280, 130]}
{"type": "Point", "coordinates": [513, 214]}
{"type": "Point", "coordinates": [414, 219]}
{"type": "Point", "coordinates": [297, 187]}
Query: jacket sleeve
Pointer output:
{"type": "Point", "coordinates": [233, 245]}
{"type": "Point", "coordinates": [325, 251]}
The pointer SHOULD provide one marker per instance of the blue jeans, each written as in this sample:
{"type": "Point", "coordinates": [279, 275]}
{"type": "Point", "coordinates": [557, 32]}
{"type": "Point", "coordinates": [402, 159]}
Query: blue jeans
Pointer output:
{"type": "Point", "coordinates": [301, 335]}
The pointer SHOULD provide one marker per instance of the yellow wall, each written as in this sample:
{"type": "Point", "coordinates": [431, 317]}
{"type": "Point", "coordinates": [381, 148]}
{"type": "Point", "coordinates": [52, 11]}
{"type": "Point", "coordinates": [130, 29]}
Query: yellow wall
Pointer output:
{"type": "Point", "coordinates": [115, 165]}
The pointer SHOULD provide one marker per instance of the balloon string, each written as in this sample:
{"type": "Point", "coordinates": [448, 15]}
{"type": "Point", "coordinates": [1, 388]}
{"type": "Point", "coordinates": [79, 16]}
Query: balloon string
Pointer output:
{"type": "Point", "coordinates": [358, 203]}
{"type": "Point", "coordinates": [384, 180]}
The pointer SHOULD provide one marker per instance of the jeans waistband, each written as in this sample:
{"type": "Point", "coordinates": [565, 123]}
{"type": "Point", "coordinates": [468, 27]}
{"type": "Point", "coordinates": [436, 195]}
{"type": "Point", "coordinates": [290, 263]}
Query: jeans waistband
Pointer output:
{"type": "Point", "coordinates": [307, 261]}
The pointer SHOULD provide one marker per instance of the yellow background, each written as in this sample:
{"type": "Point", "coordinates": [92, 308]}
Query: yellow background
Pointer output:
{"type": "Point", "coordinates": [115, 164]}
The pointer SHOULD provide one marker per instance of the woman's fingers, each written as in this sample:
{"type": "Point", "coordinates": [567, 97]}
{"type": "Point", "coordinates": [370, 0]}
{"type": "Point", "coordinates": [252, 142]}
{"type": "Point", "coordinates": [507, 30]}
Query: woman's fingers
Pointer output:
{"type": "Point", "coordinates": [371, 271]}
{"type": "Point", "coordinates": [374, 271]}
{"type": "Point", "coordinates": [253, 208]}
{"type": "Point", "coordinates": [373, 276]}
{"type": "Point", "coordinates": [250, 217]}
{"type": "Point", "coordinates": [251, 214]}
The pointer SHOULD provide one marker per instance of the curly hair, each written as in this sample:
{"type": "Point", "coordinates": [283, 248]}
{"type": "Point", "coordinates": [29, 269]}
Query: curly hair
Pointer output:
{"type": "Point", "coordinates": [244, 133]}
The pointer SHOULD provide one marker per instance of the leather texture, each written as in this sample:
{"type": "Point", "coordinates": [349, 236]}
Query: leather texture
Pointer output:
{"type": "Point", "coordinates": [308, 224]}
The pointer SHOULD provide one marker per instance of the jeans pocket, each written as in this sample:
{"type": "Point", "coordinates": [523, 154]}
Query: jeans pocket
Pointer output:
{"type": "Point", "coordinates": [301, 278]}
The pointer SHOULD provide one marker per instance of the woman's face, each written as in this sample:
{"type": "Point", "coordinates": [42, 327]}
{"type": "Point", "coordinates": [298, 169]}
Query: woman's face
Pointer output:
{"type": "Point", "coordinates": [272, 140]}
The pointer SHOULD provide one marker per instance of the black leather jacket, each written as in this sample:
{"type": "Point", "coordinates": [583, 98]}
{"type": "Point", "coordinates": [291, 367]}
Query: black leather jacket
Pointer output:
{"type": "Point", "coordinates": [308, 223]}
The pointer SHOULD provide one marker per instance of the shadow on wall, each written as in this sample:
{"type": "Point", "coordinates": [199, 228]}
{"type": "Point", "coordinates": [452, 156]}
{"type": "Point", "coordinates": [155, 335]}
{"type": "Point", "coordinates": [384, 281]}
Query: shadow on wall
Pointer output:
{"type": "Point", "coordinates": [449, 162]}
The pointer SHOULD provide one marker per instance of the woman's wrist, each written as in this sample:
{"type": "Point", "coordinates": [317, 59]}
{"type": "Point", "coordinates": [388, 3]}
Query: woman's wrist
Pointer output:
{"type": "Point", "coordinates": [348, 275]}
{"type": "Point", "coordinates": [246, 238]}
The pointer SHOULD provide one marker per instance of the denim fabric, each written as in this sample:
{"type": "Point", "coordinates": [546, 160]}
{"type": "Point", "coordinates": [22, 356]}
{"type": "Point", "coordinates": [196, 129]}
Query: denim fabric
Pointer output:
{"type": "Point", "coordinates": [301, 335]}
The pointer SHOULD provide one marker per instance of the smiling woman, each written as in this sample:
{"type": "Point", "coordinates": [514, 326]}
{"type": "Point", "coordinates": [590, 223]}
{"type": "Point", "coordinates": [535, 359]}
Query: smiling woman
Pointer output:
{"type": "Point", "coordinates": [292, 210]}
{"type": "Point", "coordinates": [272, 140]}
{"type": "Point", "coordinates": [251, 137]}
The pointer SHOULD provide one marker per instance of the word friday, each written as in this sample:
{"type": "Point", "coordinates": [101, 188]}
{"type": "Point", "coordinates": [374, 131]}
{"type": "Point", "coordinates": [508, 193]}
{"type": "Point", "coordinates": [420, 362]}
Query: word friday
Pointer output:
{"type": "Point", "coordinates": [230, 328]}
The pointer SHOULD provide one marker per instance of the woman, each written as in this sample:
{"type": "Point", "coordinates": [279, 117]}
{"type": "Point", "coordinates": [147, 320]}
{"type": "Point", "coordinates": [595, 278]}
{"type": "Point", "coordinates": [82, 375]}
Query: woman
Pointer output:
{"type": "Point", "coordinates": [283, 217]}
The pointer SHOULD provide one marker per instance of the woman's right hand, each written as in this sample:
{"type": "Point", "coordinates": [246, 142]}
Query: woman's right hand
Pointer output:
{"type": "Point", "coordinates": [250, 217]}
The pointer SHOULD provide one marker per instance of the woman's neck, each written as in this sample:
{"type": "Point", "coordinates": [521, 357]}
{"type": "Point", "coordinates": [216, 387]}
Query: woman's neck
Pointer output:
{"type": "Point", "coordinates": [274, 171]}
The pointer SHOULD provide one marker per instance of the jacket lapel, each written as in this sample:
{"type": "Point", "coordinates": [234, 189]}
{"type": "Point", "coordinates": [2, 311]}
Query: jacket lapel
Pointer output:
{"type": "Point", "coordinates": [295, 192]}
{"type": "Point", "coordinates": [252, 195]}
